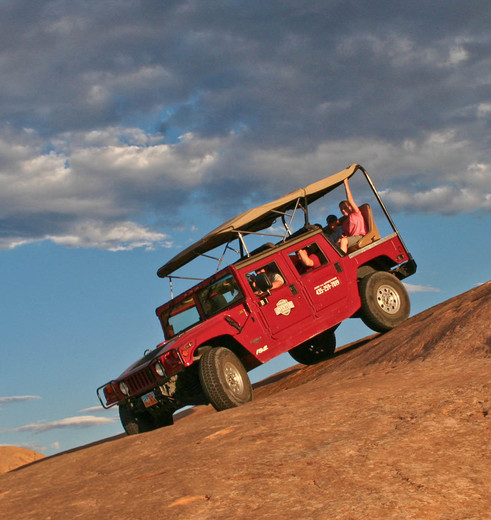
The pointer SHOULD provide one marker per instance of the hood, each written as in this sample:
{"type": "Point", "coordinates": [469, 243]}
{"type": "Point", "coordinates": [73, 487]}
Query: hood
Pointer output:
{"type": "Point", "coordinates": [147, 358]}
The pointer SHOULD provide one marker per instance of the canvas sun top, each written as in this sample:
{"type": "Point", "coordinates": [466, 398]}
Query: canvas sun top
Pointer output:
{"type": "Point", "coordinates": [256, 219]}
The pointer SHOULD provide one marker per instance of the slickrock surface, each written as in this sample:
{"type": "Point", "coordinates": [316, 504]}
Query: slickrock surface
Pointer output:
{"type": "Point", "coordinates": [12, 457]}
{"type": "Point", "coordinates": [395, 426]}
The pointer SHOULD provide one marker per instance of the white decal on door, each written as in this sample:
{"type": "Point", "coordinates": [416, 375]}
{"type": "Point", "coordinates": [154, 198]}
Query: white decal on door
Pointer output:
{"type": "Point", "coordinates": [283, 307]}
{"type": "Point", "coordinates": [327, 286]}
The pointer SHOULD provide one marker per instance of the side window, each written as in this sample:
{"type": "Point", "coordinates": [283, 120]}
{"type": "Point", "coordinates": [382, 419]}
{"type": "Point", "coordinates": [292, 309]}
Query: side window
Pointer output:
{"type": "Point", "coordinates": [266, 277]}
{"type": "Point", "coordinates": [219, 295]}
{"type": "Point", "coordinates": [308, 258]}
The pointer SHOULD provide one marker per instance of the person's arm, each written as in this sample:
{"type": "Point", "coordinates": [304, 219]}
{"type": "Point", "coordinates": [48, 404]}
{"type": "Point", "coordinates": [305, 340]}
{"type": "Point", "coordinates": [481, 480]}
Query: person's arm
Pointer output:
{"type": "Point", "coordinates": [277, 281]}
{"type": "Point", "coordinates": [350, 198]}
{"type": "Point", "coordinates": [304, 258]}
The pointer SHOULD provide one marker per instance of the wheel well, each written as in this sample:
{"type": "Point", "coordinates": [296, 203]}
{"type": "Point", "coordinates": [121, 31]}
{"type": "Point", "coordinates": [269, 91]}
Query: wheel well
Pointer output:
{"type": "Point", "coordinates": [364, 270]}
{"type": "Point", "coordinates": [246, 358]}
{"type": "Point", "coordinates": [381, 263]}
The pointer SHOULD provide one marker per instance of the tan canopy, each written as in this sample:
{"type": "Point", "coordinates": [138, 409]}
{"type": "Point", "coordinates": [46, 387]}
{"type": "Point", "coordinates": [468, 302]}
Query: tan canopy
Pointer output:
{"type": "Point", "coordinates": [255, 219]}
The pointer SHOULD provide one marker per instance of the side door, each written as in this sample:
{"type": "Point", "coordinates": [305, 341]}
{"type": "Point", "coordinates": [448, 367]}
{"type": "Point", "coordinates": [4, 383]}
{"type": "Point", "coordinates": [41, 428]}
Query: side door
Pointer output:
{"type": "Point", "coordinates": [326, 283]}
{"type": "Point", "coordinates": [284, 306]}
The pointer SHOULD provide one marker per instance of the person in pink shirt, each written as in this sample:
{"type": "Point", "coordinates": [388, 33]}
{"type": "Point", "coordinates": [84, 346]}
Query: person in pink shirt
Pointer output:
{"type": "Point", "coordinates": [354, 226]}
{"type": "Point", "coordinates": [307, 260]}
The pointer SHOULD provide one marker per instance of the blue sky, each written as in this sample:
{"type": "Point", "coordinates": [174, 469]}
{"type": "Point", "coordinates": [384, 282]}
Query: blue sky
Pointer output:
{"type": "Point", "coordinates": [130, 129]}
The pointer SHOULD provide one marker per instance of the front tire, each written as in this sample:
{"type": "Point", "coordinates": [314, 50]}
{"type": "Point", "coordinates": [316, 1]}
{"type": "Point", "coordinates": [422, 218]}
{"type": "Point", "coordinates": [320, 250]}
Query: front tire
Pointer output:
{"type": "Point", "coordinates": [315, 350]}
{"type": "Point", "coordinates": [224, 379]}
{"type": "Point", "coordinates": [384, 301]}
{"type": "Point", "coordinates": [135, 423]}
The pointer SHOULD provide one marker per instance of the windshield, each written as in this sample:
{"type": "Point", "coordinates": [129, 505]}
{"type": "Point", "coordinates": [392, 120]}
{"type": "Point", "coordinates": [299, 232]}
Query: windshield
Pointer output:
{"type": "Point", "coordinates": [180, 317]}
{"type": "Point", "coordinates": [213, 298]}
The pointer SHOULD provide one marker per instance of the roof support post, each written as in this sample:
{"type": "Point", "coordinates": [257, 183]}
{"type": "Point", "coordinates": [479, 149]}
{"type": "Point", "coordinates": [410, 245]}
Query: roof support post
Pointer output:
{"type": "Point", "coordinates": [243, 246]}
{"type": "Point", "coordinates": [382, 204]}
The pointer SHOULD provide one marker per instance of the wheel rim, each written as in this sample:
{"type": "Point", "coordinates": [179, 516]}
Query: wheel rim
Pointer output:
{"type": "Point", "coordinates": [388, 299]}
{"type": "Point", "coordinates": [321, 346]}
{"type": "Point", "coordinates": [317, 349]}
{"type": "Point", "coordinates": [233, 379]}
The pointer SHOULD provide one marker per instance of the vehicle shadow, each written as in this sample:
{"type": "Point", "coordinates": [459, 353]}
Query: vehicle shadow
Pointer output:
{"type": "Point", "coordinates": [340, 351]}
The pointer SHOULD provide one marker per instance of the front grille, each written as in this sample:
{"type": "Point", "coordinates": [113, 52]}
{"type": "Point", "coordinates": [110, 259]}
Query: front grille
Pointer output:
{"type": "Point", "coordinates": [140, 381]}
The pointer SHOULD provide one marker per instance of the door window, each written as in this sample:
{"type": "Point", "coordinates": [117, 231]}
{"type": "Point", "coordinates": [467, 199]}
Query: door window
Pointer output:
{"type": "Point", "coordinates": [269, 271]}
{"type": "Point", "coordinates": [308, 258]}
{"type": "Point", "coordinates": [219, 295]}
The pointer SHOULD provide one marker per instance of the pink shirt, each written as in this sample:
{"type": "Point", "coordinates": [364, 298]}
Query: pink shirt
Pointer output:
{"type": "Point", "coordinates": [354, 224]}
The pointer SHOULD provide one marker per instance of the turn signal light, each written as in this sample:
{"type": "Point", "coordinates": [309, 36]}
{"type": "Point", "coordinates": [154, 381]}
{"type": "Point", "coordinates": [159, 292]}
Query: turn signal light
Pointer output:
{"type": "Point", "coordinates": [172, 362]}
{"type": "Point", "coordinates": [110, 394]}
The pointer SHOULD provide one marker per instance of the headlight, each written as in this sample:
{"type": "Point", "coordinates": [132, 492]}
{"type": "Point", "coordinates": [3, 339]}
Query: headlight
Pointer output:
{"type": "Point", "coordinates": [124, 388]}
{"type": "Point", "coordinates": [159, 369]}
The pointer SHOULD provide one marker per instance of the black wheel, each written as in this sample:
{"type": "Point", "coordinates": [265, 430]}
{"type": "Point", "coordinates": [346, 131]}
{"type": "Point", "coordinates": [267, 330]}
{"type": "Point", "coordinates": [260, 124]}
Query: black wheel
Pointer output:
{"type": "Point", "coordinates": [315, 350]}
{"type": "Point", "coordinates": [384, 301]}
{"type": "Point", "coordinates": [134, 423]}
{"type": "Point", "coordinates": [224, 379]}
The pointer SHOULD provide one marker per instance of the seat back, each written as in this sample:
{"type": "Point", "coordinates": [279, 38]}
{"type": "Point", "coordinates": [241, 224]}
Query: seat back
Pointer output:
{"type": "Point", "coordinates": [372, 231]}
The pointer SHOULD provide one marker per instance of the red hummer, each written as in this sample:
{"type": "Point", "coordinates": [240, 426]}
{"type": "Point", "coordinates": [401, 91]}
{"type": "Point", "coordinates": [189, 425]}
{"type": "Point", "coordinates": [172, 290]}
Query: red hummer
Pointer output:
{"type": "Point", "coordinates": [288, 294]}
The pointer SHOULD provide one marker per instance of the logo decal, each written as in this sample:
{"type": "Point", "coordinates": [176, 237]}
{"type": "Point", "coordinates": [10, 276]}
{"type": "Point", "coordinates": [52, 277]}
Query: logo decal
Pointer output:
{"type": "Point", "coordinates": [261, 350]}
{"type": "Point", "coordinates": [283, 307]}
{"type": "Point", "coordinates": [327, 286]}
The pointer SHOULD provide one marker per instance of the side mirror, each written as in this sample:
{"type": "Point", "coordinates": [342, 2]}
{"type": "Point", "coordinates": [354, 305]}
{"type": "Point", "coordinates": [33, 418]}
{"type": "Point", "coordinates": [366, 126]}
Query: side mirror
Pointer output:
{"type": "Point", "coordinates": [263, 283]}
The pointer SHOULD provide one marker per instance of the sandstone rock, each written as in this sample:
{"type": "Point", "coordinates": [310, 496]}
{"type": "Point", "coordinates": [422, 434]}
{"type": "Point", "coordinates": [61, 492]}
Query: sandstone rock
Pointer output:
{"type": "Point", "coordinates": [395, 426]}
{"type": "Point", "coordinates": [12, 457]}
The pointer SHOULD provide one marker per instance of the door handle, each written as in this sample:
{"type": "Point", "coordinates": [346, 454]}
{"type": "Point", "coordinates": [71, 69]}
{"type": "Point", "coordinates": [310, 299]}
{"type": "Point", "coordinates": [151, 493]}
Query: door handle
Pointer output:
{"type": "Point", "coordinates": [293, 289]}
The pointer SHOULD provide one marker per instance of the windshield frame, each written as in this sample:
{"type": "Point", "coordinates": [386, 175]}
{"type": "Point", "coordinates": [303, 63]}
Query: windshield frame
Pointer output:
{"type": "Point", "coordinates": [200, 303]}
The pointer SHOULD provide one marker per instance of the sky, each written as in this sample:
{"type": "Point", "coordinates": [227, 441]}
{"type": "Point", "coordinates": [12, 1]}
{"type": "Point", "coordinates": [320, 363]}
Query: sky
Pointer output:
{"type": "Point", "coordinates": [129, 129]}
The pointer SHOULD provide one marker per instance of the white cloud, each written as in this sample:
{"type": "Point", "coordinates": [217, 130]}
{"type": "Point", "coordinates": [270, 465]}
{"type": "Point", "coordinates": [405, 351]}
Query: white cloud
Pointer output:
{"type": "Point", "coordinates": [388, 88]}
{"type": "Point", "coordinates": [411, 288]}
{"type": "Point", "coordinates": [442, 199]}
{"type": "Point", "coordinates": [12, 242]}
{"type": "Point", "coordinates": [81, 178]}
{"type": "Point", "coordinates": [18, 399]}
{"type": "Point", "coordinates": [82, 421]}
{"type": "Point", "coordinates": [90, 195]}
{"type": "Point", "coordinates": [93, 409]}
{"type": "Point", "coordinates": [114, 236]}
{"type": "Point", "coordinates": [457, 55]}
{"type": "Point", "coordinates": [449, 180]}
{"type": "Point", "coordinates": [483, 110]}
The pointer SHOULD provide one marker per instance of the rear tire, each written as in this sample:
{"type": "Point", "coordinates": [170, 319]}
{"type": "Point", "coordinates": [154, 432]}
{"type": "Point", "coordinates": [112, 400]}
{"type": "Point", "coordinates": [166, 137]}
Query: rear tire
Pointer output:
{"type": "Point", "coordinates": [224, 379]}
{"type": "Point", "coordinates": [315, 350]}
{"type": "Point", "coordinates": [384, 301]}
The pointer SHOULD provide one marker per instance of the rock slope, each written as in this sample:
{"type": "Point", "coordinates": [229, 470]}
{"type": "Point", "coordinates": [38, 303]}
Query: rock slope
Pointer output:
{"type": "Point", "coordinates": [395, 426]}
